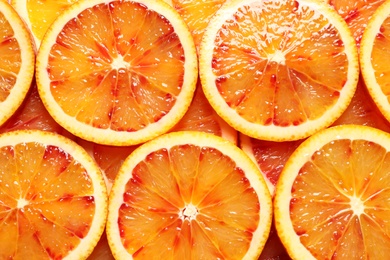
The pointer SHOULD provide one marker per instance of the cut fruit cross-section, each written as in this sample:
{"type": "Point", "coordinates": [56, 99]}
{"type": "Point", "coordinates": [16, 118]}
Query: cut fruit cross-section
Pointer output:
{"type": "Point", "coordinates": [188, 195]}
{"type": "Point", "coordinates": [374, 57]}
{"type": "Point", "coordinates": [17, 57]}
{"type": "Point", "coordinates": [278, 70]}
{"type": "Point", "coordinates": [53, 197]}
{"type": "Point", "coordinates": [332, 197]}
{"type": "Point", "coordinates": [117, 72]}
{"type": "Point", "coordinates": [39, 14]}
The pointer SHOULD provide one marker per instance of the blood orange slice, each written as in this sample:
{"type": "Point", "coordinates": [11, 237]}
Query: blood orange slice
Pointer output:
{"type": "Point", "coordinates": [117, 72]}
{"type": "Point", "coordinates": [53, 198]}
{"type": "Point", "coordinates": [188, 195]}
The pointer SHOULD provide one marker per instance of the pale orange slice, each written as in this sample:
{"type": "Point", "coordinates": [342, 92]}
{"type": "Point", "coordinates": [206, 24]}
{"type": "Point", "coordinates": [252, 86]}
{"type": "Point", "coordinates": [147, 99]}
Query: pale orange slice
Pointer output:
{"type": "Point", "coordinates": [202, 117]}
{"type": "Point", "coordinates": [17, 57]}
{"type": "Point", "coordinates": [53, 198]}
{"type": "Point", "coordinates": [332, 198]}
{"type": "Point", "coordinates": [374, 56]}
{"type": "Point", "coordinates": [39, 14]}
{"type": "Point", "coordinates": [188, 195]}
{"type": "Point", "coordinates": [278, 70]}
{"type": "Point", "coordinates": [117, 72]}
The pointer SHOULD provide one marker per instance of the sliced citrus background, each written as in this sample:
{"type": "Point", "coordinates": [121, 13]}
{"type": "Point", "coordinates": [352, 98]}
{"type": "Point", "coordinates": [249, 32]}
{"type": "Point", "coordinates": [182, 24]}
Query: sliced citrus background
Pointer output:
{"type": "Point", "coordinates": [109, 158]}
{"type": "Point", "coordinates": [363, 111]}
{"type": "Point", "coordinates": [278, 70]}
{"type": "Point", "coordinates": [374, 54]}
{"type": "Point", "coordinates": [202, 117]}
{"type": "Point", "coordinates": [53, 198]}
{"type": "Point", "coordinates": [196, 14]}
{"type": "Point", "coordinates": [39, 14]}
{"type": "Point", "coordinates": [115, 84]}
{"type": "Point", "coordinates": [356, 14]}
{"type": "Point", "coordinates": [17, 57]}
{"type": "Point", "coordinates": [32, 114]}
{"type": "Point", "coordinates": [332, 198]}
{"type": "Point", "coordinates": [188, 195]}
{"type": "Point", "coordinates": [269, 156]}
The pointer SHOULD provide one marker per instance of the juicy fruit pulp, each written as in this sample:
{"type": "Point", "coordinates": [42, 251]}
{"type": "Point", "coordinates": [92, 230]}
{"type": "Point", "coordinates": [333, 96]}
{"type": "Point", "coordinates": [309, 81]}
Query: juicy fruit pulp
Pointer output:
{"type": "Point", "coordinates": [192, 203]}
{"type": "Point", "coordinates": [290, 75]}
{"type": "Point", "coordinates": [47, 201]}
{"type": "Point", "coordinates": [110, 73]}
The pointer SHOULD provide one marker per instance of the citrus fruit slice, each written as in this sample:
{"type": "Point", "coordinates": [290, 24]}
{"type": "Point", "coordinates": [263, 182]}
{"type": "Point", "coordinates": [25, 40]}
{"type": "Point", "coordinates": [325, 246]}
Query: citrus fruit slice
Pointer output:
{"type": "Point", "coordinates": [374, 53]}
{"type": "Point", "coordinates": [188, 195]}
{"type": "Point", "coordinates": [39, 14]}
{"type": "Point", "coordinates": [278, 70]}
{"type": "Point", "coordinates": [332, 198]}
{"type": "Point", "coordinates": [200, 116]}
{"type": "Point", "coordinates": [356, 14]}
{"type": "Point", "coordinates": [196, 14]}
{"type": "Point", "coordinates": [53, 198]}
{"type": "Point", "coordinates": [269, 156]}
{"type": "Point", "coordinates": [17, 57]}
{"type": "Point", "coordinates": [117, 72]}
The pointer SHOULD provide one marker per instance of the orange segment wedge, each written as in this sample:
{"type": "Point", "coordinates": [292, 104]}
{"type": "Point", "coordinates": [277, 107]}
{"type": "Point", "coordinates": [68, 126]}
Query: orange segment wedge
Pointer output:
{"type": "Point", "coordinates": [39, 14]}
{"type": "Point", "coordinates": [374, 54]}
{"type": "Point", "coordinates": [117, 72]}
{"type": "Point", "coordinates": [332, 198]}
{"type": "Point", "coordinates": [53, 198]}
{"type": "Point", "coordinates": [278, 70]}
{"type": "Point", "coordinates": [17, 57]}
{"type": "Point", "coordinates": [188, 195]}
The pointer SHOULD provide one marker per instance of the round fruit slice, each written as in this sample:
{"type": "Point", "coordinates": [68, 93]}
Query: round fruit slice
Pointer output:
{"type": "Point", "coordinates": [117, 72]}
{"type": "Point", "coordinates": [188, 195]}
{"type": "Point", "coordinates": [374, 54]}
{"type": "Point", "coordinates": [332, 198]}
{"type": "Point", "coordinates": [356, 14]}
{"type": "Point", "coordinates": [39, 14]}
{"type": "Point", "coordinates": [17, 57]}
{"type": "Point", "coordinates": [53, 197]}
{"type": "Point", "coordinates": [278, 70]}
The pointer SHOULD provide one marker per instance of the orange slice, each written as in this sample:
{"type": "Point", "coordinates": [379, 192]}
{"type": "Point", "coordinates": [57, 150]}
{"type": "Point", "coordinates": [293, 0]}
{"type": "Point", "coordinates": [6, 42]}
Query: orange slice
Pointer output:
{"type": "Point", "coordinates": [117, 72]}
{"type": "Point", "coordinates": [188, 195]}
{"type": "Point", "coordinates": [374, 54]}
{"type": "Point", "coordinates": [356, 14]}
{"type": "Point", "coordinates": [278, 70]}
{"type": "Point", "coordinates": [202, 117]}
{"type": "Point", "coordinates": [196, 14]}
{"type": "Point", "coordinates": [53, 198]}
{"type": "Point", "coordinates": [39, 14]}
{"type": "Point", "coordinates": [17, 57]}
{"type": "Point", "coordinates": [332, 198]}
{"type": "Point", "coordinates": [269, 156]}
